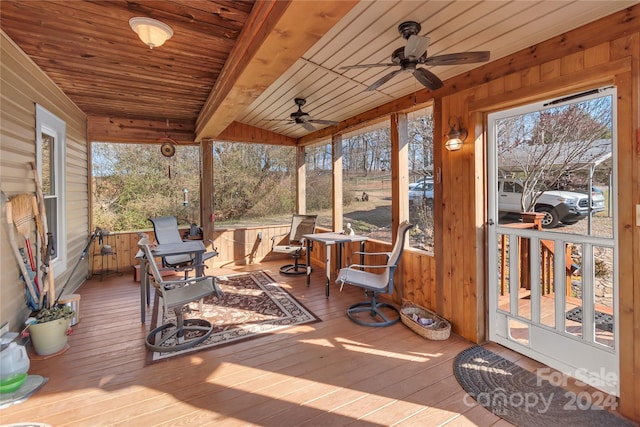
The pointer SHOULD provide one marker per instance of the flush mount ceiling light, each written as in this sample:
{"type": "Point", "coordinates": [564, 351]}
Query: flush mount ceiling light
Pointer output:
{"type": "Point", "coordinates": [151, 31]}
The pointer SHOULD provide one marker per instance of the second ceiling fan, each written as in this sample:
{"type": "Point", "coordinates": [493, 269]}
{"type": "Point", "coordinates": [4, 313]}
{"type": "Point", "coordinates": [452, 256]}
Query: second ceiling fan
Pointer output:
{"type": "Point", "coordinates": [415, 53]}
{"type": "Point", "coordinates": [304, 119]}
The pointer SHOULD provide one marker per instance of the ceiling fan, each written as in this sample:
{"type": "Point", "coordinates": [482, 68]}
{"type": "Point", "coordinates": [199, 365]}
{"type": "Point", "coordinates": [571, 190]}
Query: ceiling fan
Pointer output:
{"type": "Point", "coordinates": [415, 53]}
{"type": "Point", "coordinates": [301, 118]}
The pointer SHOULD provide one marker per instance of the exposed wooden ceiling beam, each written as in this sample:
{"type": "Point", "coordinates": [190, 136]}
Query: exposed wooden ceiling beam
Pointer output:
{"type": "Point", "coordinates": [276, 35]}
{"type": "Point", "coordinates": [240, 132]}
{"type": "Point", "coordinates": [118, 129]}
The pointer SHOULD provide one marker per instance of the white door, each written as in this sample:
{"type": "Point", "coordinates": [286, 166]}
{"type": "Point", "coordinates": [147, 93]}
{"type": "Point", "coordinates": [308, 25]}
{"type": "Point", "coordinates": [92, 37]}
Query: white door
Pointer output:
{"type": "Point", "coordinates": [553, 291]}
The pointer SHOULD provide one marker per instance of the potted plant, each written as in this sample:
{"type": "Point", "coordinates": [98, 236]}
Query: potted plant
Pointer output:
{"type": "Point", "coordinates": [49, 329]}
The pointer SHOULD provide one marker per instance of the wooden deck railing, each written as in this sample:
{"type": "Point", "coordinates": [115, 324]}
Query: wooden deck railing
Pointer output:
{"type": "Point", "coordinates": [547, 254]}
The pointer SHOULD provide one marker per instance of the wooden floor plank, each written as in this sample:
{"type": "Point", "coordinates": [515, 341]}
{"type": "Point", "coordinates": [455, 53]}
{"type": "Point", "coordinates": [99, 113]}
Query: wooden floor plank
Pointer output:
{"type": "Point", "coordinates": [332, 372]}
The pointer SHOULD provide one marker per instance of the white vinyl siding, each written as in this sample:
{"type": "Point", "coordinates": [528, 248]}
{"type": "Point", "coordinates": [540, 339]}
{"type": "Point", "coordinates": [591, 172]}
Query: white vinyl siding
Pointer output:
{"type": "Point", "coordinates": [23, 85]}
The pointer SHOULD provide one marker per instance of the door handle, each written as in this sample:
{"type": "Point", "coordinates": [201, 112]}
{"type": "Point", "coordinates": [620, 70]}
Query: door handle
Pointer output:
{"type": "Point", "coordinates": [490, 222]}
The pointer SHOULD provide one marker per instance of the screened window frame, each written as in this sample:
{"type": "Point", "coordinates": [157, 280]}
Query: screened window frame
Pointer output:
{"type": "Point", "coordinates": [50, 124]}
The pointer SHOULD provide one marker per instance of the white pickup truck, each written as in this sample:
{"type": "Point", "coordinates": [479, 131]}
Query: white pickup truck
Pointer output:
{"type": "Point", "coordinates": [567, 207]}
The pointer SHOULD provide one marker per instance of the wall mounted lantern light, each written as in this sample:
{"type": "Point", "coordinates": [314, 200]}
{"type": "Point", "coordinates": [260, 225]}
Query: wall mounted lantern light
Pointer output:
{"type": "Point", "coordinates": [151, 31]}
{"type": "Point", "coordinates": [456, 136]}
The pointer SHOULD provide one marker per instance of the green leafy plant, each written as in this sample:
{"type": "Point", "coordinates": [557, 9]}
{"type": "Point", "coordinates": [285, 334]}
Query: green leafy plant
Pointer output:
{"type": "Point", "coordinates": [60, 311]}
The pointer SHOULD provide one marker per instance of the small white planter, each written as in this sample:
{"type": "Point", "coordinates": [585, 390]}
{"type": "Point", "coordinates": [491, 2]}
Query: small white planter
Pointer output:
{"type": "Point", "coordinates": [49, 337]}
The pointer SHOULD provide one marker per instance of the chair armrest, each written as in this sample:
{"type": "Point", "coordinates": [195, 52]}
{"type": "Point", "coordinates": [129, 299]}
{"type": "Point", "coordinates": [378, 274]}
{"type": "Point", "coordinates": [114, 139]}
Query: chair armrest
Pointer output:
{"type": "Point", "coordinates": [186, 281]}
{"type": "Point", "coordinates": [274, 237]}
{"type": "Point", "coordinates": [387, 254]}
{"type": "Point", "coordinates": [358, 266]}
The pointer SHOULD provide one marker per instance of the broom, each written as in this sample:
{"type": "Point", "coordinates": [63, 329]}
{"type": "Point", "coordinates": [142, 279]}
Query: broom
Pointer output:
{"type": "Point", "coordinates": [22, 206]}
{"type": "Point", "coordinates": [32, 296]}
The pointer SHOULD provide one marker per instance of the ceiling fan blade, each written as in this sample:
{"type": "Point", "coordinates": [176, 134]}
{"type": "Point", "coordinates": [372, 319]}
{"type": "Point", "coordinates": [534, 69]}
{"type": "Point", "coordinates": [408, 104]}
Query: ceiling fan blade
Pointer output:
{"type": "Point", "coordinates": [350, 67]}
{"type": "Point", "coordinates": [458, 58]}
{"type": "Point", "coordinates": [427, 78]}
{"type": "Point", "coordinates": [383, 80]}
{"type": "Point", "coordinates": [416, 46]}
{"type": "Point", "coordinates": [307, 126]}
{"type": "Point", "coordinates": [323, 122]}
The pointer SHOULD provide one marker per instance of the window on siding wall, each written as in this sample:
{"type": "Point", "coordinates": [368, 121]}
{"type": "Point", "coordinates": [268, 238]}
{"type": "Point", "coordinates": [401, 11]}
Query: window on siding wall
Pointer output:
{"type": "Point", "coordinates": [50, 155]}
{"type": "Point", "coordinates": [421, 187]}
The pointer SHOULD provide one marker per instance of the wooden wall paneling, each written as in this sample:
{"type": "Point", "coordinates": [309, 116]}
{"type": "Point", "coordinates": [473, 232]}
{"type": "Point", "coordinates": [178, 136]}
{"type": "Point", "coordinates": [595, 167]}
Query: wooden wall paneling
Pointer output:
{"type": "Point", "coordinates": [629, 300]}
{"type": "Point", "coordinates": [439, 208]}
{"type": "Point", "coordinates": [560, 86]}
{"type": "Point", "coordinates": [550, 70]}
{"type": "Point", "coordinates": [405, 277]}
{"type": "Point", "coordinates": [512, 82]}
{"type": "Point", "coordinates": [466, 296]}
{"type": "Point", "coordinates": [628, 85]}
{"type": "Point", "coordinates": [572, 63]}
{"type": "Point", "coordinates": [460, 198]}
{"type": "Point", "coordinates": [479, 289]}
{"type": "Point", "coordinates": [596, 55]}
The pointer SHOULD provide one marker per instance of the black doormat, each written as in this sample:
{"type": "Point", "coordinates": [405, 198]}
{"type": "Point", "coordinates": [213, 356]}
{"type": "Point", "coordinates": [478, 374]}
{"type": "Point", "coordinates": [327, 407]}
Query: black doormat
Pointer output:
{"type": "Point", "coordinates": [524, 399]}
{"type": "Point", "coordinates": [604, 321]}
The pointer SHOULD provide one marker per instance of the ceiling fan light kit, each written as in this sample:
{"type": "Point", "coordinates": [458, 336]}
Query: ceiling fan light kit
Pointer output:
{"type": "Point", "coordinates": [414, 53]}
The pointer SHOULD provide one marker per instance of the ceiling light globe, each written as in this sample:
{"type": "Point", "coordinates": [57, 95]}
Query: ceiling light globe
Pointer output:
{"type": "Point", "coordinates": [152, 32]}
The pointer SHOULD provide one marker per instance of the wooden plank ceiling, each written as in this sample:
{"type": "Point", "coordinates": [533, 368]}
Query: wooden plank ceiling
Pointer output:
{"type": "Point", "coordinates": [91, 53]}
{"type": "Point", "coordinates": [243, 62]}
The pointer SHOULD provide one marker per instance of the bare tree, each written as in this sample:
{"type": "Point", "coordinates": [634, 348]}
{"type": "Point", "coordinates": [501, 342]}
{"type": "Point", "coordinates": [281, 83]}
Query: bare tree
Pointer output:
{"type": "Point", "coordinates": [540, 148]}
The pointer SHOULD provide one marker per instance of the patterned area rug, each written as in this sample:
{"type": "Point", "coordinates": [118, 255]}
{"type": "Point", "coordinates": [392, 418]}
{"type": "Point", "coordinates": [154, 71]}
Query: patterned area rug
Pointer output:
{"type": "Point", "coordinates": [253, 305]}
{"type": "Point", "coordinates": [525, 399]}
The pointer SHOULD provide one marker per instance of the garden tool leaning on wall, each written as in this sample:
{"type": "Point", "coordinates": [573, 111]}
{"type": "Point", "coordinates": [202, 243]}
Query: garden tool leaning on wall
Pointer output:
{"type": "Point", "coordinates": [32, 294]}
{"type": "Point", "coordinates": [46, 241]}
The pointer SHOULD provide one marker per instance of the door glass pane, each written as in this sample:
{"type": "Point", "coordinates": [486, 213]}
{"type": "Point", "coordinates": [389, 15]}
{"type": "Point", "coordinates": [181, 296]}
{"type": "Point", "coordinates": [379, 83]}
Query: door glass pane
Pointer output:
{"type": "Point", "coordinates": [564, 175]}
{"type": "Point", "coordinates": [574, 304]}
{"type": "Point", "coordinates": [519, 331]}
{"type": "Point", "coordinates": [603, 296]}
{"type": "Point", "coordinates": [546, 286]}
{"type": "Point", "coordinates": [503, 273]}
{"type": "Point", "coordinates": [524, 290]}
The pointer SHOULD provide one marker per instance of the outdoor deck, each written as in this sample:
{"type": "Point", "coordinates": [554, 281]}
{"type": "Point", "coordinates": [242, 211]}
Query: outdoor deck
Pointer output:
{"type": "Point", "coordinates": [328, 373]}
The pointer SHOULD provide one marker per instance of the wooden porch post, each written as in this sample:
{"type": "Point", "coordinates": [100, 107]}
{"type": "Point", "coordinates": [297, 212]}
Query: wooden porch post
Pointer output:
{"type": "Point", "coordinates": [399, 169]}
{"type": "Point", "coordinates": [206, 190]}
